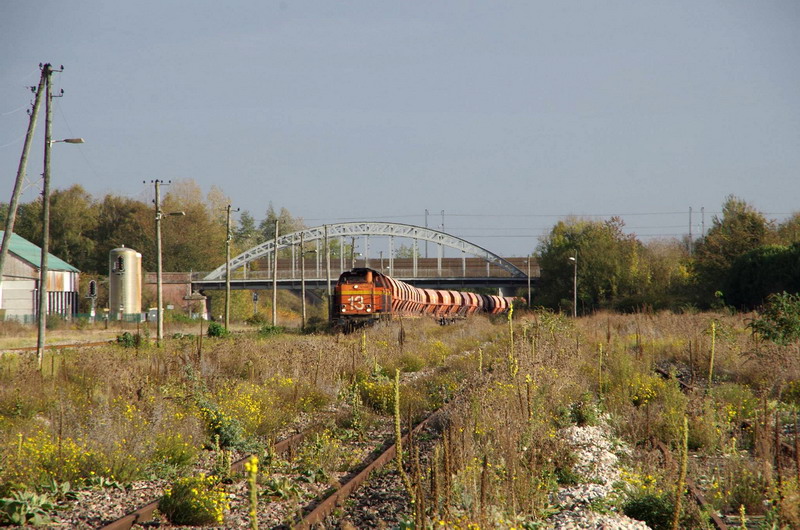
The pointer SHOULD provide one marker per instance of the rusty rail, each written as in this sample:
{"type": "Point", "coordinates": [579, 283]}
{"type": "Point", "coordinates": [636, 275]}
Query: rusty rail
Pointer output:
{"type": "Point", "coordinates": [693, 489]}
{"type": "Point", "coordinates": [145, 513]}
{"type": "Point", "coordinates": [326, 507]}
{"type": "Point", "coordinates": [61, 346]}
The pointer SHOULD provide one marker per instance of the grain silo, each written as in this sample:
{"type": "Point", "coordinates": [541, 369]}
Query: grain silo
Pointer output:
{"type": "Point", "coordinates": [124, 283]}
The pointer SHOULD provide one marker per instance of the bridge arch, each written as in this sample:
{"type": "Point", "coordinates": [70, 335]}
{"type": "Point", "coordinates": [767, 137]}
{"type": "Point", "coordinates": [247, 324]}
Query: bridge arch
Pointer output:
{"type": "Point", "coordinates": [320, 233]}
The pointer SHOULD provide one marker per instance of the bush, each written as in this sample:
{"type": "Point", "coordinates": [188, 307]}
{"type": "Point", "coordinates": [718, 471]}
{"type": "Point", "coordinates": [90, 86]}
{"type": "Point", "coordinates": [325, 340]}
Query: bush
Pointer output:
{"type": "Point", "coordinates": [129, 340]}
{"type": "Point", "coordinates": [654, 509]}
{"type": "Point", "coordinates": [215, 329]}
{"type": "Point", "coordinates": [225, 430]}
{"type": "Point", "coordinates": [268, 330]}
{"type": "Point", "coordinates": [780, 319]}
{"type": "Point", "coordinates": [195, 501]}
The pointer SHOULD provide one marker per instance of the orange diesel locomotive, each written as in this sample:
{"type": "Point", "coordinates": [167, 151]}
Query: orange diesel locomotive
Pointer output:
{"type": "Point", "coordinates": [362, 295]}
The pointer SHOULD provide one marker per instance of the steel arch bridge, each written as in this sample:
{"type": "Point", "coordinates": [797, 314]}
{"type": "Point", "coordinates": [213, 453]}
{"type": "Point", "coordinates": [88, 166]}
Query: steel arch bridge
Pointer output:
{"type": "Point", "coordinates": [325, 233]}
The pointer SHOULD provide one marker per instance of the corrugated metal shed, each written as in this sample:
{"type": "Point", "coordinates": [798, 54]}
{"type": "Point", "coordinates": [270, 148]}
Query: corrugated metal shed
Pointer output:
{"type": "Point", "coordinates": [31, 253]}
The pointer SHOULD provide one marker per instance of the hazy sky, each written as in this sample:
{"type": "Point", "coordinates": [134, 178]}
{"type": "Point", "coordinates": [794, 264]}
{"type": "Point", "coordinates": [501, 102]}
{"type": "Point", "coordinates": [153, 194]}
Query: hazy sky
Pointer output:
{"type": "Point", "coordinates": [507, 115]}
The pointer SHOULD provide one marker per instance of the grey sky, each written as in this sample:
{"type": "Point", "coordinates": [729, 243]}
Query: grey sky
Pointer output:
{"type": "Point", "coordinates": [371, 109]}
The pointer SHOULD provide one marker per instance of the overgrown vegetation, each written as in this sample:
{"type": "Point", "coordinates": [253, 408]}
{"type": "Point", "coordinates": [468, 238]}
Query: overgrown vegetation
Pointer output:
{"type": "Point", "coordinates": [113, 415]}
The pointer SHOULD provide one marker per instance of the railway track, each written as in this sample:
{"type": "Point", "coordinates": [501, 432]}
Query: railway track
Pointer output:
{"type": "Point", "coordinates": [694, 491]}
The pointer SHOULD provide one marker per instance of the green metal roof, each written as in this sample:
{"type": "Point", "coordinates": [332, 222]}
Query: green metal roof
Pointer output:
{"type": "Point", "coordinates": [29, 252]}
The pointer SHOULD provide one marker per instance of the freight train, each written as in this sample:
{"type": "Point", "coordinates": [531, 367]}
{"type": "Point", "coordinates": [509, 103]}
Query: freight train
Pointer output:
{"type": "Point", "coordinates": [363, 295]}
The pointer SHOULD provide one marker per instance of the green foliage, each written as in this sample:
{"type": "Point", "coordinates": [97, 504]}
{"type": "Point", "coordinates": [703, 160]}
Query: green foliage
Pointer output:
{"type": "Point", "coordinates": [608, 265]}
{"type": "Point", "coordinates": [740, 229]}
{"type": "Point", "coordinates": [268, 330]}
{"type": "Point", "coordinates": [129, 340]}
{"type": "Point", "coordinates": [655, 509]}
{"type": "Point", "coordinates": [26, 507]}
{"type": "Point", "coordinates": [225, 430]}
{"type": "Point", "coordinates": [215, 329]}
{"type": "Point", "coordinates": [60, 491]}
{"type": "Point", "coordinates": [281, 487]}
{"type": "Point", "coordinates": [584, 411]}
{"type": "Point", "coordinates": [779, 320]}
{"type": "Point", "coordinates": [761, 272]}
{"type": "Point", "coordinates": [196, 501]}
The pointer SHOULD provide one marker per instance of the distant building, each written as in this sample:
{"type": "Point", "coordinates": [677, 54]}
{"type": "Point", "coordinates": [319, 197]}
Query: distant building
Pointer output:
{"type": "Point", "coordinates": [19, 291]}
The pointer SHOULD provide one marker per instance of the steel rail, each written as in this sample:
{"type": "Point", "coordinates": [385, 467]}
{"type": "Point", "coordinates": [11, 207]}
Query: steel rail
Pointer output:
{"type": "Point", "coordinates": [335, 499]}
{"type": "Point", "coordinates": [693, 489]}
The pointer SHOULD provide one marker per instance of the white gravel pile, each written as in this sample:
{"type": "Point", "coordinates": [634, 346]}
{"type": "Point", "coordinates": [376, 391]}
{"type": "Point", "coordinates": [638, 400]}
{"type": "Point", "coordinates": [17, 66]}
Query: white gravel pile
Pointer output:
{"type": "Point", "coordinates": [598, 466]}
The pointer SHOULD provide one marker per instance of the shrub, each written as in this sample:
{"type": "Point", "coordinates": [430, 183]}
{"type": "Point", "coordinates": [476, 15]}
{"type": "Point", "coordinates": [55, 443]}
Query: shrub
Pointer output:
{"type": "Point", "coordinates": [196, 500]}
{"type": "Point", "coordinates": [129, 340]}
{"type": "Point", "coordinates": [215, 329]}
{"type": "Point", "coordinates": [227, 431]}
{"type": "Point", "coordinates": [655, 509]}
{"type": "Point", "coordinates": [780, 319]}
{"type": "Point", "coordinates": [268, 330]}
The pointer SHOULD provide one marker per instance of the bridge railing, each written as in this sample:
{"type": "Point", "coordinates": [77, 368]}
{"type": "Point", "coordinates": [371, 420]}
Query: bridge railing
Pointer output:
{"type": "Point", "coordinates": [397, 272]}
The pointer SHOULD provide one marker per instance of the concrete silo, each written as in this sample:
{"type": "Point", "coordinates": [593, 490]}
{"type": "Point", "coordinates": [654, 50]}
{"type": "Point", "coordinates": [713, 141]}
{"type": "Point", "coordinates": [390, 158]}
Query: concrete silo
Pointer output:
{"type": "Point", "coordinates": [124, 283]}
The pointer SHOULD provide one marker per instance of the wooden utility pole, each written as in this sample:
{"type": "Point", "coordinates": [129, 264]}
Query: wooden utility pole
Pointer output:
{"type": "Point", "coordinates": [23, 162]}
{"type": "Point", "coordinates": [275, 278]}
{"type": "Point", "coordinates": [159, 273]}
{"type": "Point", "coordinates": [47, 72]}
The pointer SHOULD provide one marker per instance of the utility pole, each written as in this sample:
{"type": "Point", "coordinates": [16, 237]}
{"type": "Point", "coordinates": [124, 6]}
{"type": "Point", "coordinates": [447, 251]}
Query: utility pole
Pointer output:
{"type": "Point", "coordinates": [23, 162]}
{"type": "Point", "coordinates": [529, 281]}
{"type": "Point", "coordinates": [275, 278]}
{"type": "Point", "coordinates": [159, 272]}
{"type": "Point", "coordinates": [702, 221]}
{"type": "Point", "coordinates": [426, 226]}
{"type": "Point", "coordinates": [47, 73]}
{"type": "Point", "coordinates": [303, 277]}
{"type": "Point", "coordinates": [228, 266]}
{"type": "Point", "coordinates": [328, 267]}
{"type": "Point", "coordinates": [691, 241]}
{"type": "Point", "coordinates": [159, 269]}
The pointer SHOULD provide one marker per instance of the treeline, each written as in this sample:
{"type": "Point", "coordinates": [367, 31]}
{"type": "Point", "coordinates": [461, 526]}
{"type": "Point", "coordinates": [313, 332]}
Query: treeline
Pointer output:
{"type": "Point", "coordinates": [84, 229]}
{"type": "Point", "coordinates": [741, 260]}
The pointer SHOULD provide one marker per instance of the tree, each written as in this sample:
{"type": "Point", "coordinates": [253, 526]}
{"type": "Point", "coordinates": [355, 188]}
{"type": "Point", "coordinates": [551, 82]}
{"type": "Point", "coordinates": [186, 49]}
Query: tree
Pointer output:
{"type": "Point", "coordinates": [789, 230]}
{"type": "Point", "coordinates": [609, 264]}
{"type": "Point", "coordinates": [246, 234]}
{"type": "Point", "coordinates": [761, 272]}
{"type": "Point", "coordinates": [740, 229]}
{"type": "Point", "coordinates": [406, 251]}
{"type": "Point", "coordinates": [286, 223]}
{"type": "Point", "coordinates": [73, 214]}
{"type": "Point", "coordinates": [195, 241]}
{"type": "Point", "coordinates": [124, 222]}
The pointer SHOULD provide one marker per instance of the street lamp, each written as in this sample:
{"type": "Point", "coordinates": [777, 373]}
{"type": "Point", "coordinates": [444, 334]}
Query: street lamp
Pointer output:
{"type": "Point", "coordinates": [42, 306]}
{"type": "Point", "coordinates": [574, 260]}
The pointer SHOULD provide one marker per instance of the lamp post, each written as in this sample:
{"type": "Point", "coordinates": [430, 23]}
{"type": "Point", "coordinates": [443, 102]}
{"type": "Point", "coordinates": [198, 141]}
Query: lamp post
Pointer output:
{"type": "Point", "coordinates": [574, 260]}
{"type": "Point", "coordinates": [159, 272]}
{"type": "Point", "coordinates": [42, 306]}
{"type": "Point", "coordinates": [303, 278]}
